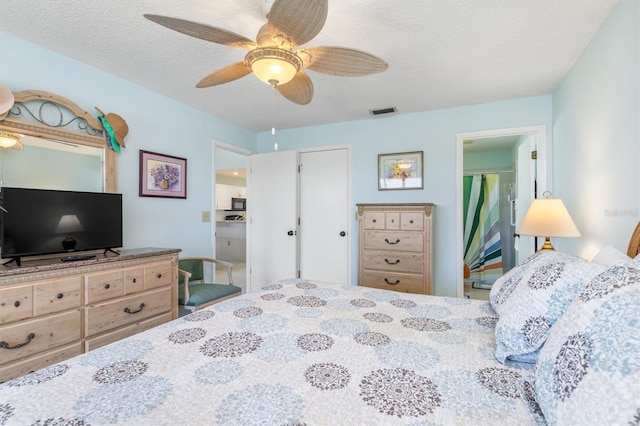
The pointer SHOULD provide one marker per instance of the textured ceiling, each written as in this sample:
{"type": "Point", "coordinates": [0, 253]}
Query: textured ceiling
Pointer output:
{"type": "Point", "coordinates": [441, 53]}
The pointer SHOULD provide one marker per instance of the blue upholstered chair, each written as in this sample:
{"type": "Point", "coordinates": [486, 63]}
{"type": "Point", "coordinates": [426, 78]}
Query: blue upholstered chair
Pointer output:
{"type": "Point", "coordinates": [193, 292]}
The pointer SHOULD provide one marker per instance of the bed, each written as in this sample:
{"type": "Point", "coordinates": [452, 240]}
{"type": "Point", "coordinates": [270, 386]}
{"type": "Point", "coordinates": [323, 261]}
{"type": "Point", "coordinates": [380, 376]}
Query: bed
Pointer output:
{"type": "Point", "coordinates": [557, 343]}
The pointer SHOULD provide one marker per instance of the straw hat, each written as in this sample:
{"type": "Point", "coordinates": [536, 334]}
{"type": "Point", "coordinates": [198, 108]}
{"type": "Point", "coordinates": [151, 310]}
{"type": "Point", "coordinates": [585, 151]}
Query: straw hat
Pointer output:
{"type": "Point", "coordinates": [117, 123]}
{"type": "Point", "coordinates": [6, 101]}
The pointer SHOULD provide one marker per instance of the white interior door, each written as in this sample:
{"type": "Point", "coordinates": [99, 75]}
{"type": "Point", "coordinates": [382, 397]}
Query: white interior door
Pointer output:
{"type": "Point", "coordinates": [526, 193]}
{"type": "Point", "coordinates": [324, 215]}
{"type": "Point", "coordinates": [271, 214]}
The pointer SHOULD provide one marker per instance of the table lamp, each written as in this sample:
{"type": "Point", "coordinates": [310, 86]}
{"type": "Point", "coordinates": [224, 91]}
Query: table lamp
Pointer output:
{"type": "Point", "coordinates": [547, 218]}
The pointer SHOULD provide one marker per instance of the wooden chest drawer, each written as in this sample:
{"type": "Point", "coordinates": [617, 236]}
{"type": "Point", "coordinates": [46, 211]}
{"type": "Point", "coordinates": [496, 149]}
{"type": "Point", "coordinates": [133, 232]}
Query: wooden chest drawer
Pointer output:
{"type": "Point", "coordinates": [30, 337]}
{"type": "Point", "coordinates": [126, 310]}
{"type": "Point", "coordinates": [103, 285]}
{"type": "Point", "coordinates": [411, 221]}
{"type": "Point", "coordinates": [134, 280]}
{"type": "Point", "coordinates": [393, 281]}
{"type": "Point", "coordinates": [157, 275]}
{"type": "Point", "coordinates": [16, 303]}
{"type": "Point", "coordinates": [121, 333]}
{"type": "Point", "coordinates": [397, 241]}
{"type": "Point", "coordinates": [36, 362]}
{"type": "Point", "coordinates": [393, 261]}
{"type": "Point", "coordinates": [57, 295]}
{"type": "Point", "coordinates": [374, 220]}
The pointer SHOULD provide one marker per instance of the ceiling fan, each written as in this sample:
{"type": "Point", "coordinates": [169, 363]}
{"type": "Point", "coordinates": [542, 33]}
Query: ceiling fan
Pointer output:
{"type": "Point", "coordinates": [272, 57]}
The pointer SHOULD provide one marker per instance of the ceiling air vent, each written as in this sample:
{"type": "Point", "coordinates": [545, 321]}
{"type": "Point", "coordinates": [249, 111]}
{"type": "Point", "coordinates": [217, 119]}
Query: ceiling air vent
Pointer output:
{"type": "Point", "coordinates": [382, 111]}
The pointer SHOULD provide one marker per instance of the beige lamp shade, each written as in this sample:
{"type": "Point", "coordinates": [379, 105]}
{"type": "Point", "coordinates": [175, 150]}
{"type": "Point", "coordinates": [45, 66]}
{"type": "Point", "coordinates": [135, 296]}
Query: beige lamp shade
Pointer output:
{"type": "Point", "coordinates": [548, 217]}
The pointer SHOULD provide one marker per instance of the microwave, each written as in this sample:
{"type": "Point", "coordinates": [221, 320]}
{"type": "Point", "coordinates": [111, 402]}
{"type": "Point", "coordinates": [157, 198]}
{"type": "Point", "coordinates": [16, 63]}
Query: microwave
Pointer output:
{"type": "Point", "coordinates": [238, 204]}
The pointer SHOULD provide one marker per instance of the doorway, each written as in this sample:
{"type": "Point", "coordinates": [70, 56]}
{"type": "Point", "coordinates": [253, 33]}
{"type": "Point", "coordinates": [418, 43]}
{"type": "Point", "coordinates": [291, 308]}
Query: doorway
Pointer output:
{"type": "Point", "coordinates": [513, 184]}
{"type": "Point", "coordinates": [230, 233]}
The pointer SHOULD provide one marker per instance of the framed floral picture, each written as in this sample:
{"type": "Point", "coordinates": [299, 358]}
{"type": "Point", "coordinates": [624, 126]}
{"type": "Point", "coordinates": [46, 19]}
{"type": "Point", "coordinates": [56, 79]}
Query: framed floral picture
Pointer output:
{"type": "Point", "coordinates": [162, 175]}
{"type": "Point", "coordinates": [402, 170]}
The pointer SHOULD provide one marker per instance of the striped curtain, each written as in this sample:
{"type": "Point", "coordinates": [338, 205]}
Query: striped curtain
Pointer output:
{"type": "Point", "coordinates": [482, 247]}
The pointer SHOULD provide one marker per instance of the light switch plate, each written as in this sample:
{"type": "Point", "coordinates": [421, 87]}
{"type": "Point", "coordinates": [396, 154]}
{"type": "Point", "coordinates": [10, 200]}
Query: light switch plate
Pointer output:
{"type": "Point", "coordinates": [206, 216]}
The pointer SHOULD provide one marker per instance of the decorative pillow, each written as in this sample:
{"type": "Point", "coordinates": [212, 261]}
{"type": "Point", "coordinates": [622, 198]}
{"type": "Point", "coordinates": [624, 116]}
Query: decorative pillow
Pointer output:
{"type": "Point", "coordinates": [610, 256]}
{"type": "Point", "coordinates": [503, 286]}
{"type": "Point", "coordinates": [533, 302]}
{"type": "Point", "coordinates": [588, 371]}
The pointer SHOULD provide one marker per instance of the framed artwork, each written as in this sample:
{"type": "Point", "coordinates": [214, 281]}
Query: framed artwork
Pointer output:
{"type": "Point", "coordinates": [162, 175]}
{"type": "Point", "coordinates": [402, 170]}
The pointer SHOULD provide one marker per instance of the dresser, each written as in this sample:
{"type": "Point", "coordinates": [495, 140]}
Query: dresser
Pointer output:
{"type": "Point", "coordinates": [51, 310]}
{"type": "Point", "coordinates": [395, 246]}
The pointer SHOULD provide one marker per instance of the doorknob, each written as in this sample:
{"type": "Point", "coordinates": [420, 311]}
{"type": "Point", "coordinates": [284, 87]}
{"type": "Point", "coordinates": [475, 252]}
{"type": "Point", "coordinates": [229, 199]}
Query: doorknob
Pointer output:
{"type": "Point", "coordinates": [342, 233]}
{"type": "Point", "coordinates": [290, 233]}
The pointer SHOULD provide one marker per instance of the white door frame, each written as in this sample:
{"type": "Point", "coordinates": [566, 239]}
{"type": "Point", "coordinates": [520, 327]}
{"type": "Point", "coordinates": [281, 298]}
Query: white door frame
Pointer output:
{"type": "Point", "coordinates": [542, 167]}
{"type": "Point", "coordinates": [216, 144]}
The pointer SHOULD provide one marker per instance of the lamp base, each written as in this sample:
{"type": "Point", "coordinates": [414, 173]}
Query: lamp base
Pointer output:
{"type": "Point", "coordinates": [547, 245]}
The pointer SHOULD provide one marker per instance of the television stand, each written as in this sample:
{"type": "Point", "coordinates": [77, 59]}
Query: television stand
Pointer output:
{"type": "Point", "coordinates": [13, 259]}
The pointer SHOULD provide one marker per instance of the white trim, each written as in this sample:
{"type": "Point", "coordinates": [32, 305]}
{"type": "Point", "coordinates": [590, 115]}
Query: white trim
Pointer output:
{"type": "Point", "coordinates": [542, 170]}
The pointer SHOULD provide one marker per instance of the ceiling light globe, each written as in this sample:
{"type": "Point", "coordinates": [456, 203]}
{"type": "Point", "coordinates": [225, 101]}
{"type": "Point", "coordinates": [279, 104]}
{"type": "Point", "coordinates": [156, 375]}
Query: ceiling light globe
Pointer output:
{"type": "Point", "coordinates": [272, 69]}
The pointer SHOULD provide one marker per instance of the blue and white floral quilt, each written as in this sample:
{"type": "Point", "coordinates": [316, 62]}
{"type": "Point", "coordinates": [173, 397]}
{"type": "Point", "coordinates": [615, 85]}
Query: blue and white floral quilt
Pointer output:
{"type": "Point", "coordinates": [298, 352]}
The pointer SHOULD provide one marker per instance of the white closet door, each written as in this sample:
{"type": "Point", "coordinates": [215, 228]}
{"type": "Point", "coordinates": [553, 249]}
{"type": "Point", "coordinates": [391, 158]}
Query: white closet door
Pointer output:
{"type": "Point", "coordinates": [271, 213]}
{"type": "Point", "coordinates": [526, 193]}
{"type": "Point", "coordinates": [324, 215]}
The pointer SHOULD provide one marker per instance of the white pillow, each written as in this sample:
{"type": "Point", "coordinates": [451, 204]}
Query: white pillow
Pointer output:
{"type": "Point", "coordinates": [588, 369]}
{"type": "Point", "coordinates": [610, 256]}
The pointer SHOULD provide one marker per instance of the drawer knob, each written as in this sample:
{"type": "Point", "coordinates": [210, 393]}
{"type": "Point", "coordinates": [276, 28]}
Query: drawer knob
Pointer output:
{"type": "Point", "coordinates": [411, 221]}
{"type": "Point", "coordinates": [393, 221]}
{"type": "Point", "coordinates": [159, 276]}
{"type": "Point", "coordinates": [60, 296]}
{"type": "Point", "coordinates": [16, 303]}
{"type": "Point", "coordinates": [392, 263]}
{"type": "Point", "coordinates": [107, 286]}
{"type": "Point", "coordinates": [389, 242]}
{"type": "Point", "coordinates": [5, 345]}
{"type": "Point", "coordinates": [374, 221]}
{"type": "Point", "coordinates": [386, 280]}
{"type": "Point", "coordinates": [129, 311]}
{"type": "Point", "coordinates": [134, 280]}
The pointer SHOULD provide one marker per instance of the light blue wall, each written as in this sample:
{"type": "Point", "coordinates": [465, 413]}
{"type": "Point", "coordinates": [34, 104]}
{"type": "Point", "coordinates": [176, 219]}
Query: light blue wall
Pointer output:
{"type": "Point", "coordinates": [156, 124]}
{"type": "Point", "coordinates": [596, 136]}
{"type": "Point", "coordinates": [433, 132]}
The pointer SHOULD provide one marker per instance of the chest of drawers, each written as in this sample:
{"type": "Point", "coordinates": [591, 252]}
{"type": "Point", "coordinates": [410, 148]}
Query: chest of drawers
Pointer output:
{"type": "Point", "coordinates": [51, 312]}
{"type": "Point", "coordinates": [394, 250]}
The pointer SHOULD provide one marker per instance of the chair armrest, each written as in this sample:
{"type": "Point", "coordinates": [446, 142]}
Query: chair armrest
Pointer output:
{"type": "Point", "coordinates": [186, 275]}
{"type": "Point", "coordinates": [226, 264]}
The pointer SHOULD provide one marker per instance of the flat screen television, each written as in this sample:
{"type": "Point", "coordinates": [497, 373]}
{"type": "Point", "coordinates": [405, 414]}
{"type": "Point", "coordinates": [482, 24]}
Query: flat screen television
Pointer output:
{"type": "Point", "coordinates": [43, 221]}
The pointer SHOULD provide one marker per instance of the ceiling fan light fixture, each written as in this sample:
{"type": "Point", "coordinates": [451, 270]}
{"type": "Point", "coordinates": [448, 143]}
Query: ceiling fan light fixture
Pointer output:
{"type": "Point", "coordinates": [273, 65]}
{"type": "Point", "coordinates": [8, 140]}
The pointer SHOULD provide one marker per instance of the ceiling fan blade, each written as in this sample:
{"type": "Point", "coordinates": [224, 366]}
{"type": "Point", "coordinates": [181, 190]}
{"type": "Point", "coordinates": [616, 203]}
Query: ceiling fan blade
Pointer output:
{"type": "Point", "coordinates": [341, 61]}
{"type": "Point", "coordinates": [203, 32]}
{"type": "Point", "coordinates": [299, 90]}
{"type": "Point", "coordinates": [297, 20]}
{"type": "Point", "coordinates": [225, 75]}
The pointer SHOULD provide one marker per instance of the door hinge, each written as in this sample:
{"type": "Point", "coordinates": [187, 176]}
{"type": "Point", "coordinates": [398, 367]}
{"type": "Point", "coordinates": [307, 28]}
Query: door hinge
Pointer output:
{"type": "Point", "coordinates": [299, 167]}
{"type": "Point", "coordinates": [534, 155]}
{"type": "Point", "coordinates": [298, 274]}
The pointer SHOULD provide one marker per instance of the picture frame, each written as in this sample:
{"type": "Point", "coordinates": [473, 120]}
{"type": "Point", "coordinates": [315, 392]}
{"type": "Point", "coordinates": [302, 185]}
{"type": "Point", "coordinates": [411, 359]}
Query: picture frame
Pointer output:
{"type": "Point", "coordinates": [401, 170]}
{"type": "Point", "coordinates": [162, 175]}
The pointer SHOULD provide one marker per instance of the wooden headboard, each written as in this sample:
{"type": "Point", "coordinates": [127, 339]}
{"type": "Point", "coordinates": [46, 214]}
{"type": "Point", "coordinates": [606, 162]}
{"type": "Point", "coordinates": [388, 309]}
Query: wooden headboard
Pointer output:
{"type": "Point", "coordinates": [634, 243]}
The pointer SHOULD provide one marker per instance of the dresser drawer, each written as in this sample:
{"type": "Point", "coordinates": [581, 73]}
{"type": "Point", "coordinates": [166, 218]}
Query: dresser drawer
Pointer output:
{"type": "Point", "coordinates": [374, 220]}
{"type": "Point", "coordinates": [393, 281]}
{"type": "Point", "coordinates": [412, 221]}
{"type": "Point", "coordinates": [157, 275]}
{"type": "Point", "coordinates": [393, 261]}
{"type": "Point", "coordinates": [16, 303]}
{"type": "Point", "coordinates": [121, 333]}
{"type": "Point", "coordinates": [126, 310]}
{"type": "Point", "coordinates": [36, 362]}
{"type": "Point", "coordinates": [396, 241]}
{"type": "Point", "coordinates": [134, 280]}
{"type": "Point", "coordinates": [104, 285]}
{"type": "Point", "coordinates": [57, 295]}
{"type": "Point", "coordinates": [38, 335]}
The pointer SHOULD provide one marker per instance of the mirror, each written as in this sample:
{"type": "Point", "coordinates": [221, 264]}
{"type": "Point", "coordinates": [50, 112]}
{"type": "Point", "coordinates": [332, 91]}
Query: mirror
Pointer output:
{"type": "Point", "coordinates": [64, 146]}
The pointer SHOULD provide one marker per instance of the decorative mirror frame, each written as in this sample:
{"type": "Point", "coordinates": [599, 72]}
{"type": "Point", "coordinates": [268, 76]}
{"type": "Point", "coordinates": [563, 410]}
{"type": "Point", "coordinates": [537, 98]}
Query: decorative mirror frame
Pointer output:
{"type": "Point", "coordinates": [88, 129]}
